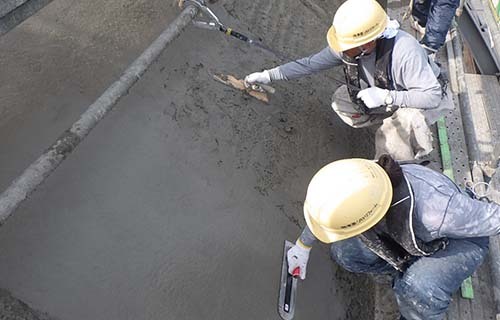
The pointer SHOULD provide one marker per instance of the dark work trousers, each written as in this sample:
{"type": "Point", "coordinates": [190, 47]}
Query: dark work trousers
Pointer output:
{"type": "Point", "coordinates": [424, 290]}
{"type": "Point", "coordinates": [435, 16]}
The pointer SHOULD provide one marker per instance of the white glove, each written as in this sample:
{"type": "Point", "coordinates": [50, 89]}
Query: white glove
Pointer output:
{"type": "Point", "coordinates": [297, 256]}
{"type": "Point", "coordinates": [258, 77]}
{"type": "Point", "coordinates": [373, 97]}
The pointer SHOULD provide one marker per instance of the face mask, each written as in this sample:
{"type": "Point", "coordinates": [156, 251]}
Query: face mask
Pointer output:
{"type": "Point", "coordinates": [354, 60]}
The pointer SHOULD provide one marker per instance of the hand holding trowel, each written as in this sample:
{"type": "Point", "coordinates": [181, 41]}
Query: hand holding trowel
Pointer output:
{"type": "Point", "coordinates": [260, 82]}
{"type": "Point", "coordinates": [256, 90]}
{"type": "Point", "coordinates": [294, 266]}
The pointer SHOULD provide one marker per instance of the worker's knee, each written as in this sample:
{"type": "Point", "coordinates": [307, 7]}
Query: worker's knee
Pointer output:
{"type": "Point", "coordinates": [347, 260]}
{"type": "Point", "coordinates": [421, 300]}
{"type": "Point", "coordinates": [352, 255]}
{"type": "Point", "coordinates": [450, 4]}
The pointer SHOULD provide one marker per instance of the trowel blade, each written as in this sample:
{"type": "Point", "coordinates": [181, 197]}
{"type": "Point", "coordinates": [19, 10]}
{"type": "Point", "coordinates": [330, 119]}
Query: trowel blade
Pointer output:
{"type": "Point", "coordinates": [288, 288]}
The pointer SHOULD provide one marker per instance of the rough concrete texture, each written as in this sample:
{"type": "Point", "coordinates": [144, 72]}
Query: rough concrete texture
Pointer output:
{"type": "Point", "coordinates": [176, 206]}
{"type": "Point", "coordinates": [14, 12]}
{"type": "Point", "coordinates": [14, 309]}
{"type": "Point", "coordinates": [8, 5]}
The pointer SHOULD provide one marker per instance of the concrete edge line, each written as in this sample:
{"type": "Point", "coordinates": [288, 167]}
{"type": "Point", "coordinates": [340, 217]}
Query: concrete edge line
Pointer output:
{"type": "Point", "coordinates": [7, 6]}
{"type": "Point", "coordinates": [39, 170]}
{"type": "Point", "coordinates": [466, 287]}
{"type": "Point", "coordinates": [455, 48]}
{"type": "Point", "coordinates": [15, 17]}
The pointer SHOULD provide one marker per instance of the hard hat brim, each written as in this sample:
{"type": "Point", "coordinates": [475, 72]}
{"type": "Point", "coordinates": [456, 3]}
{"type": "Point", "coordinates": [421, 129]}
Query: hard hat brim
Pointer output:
{"type": "Point", "coordinates": [339, 46]}
{"type": "Point", "coordinates": [329, 236]}
{"type": "Point", "coordinates": [333, 42]}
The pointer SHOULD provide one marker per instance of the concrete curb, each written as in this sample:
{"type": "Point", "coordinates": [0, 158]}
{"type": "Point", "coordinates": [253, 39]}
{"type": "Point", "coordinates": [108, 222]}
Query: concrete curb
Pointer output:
{"type": "Point", "coordinates": [39, 170]}
{"type": "Point", "coordinates": [17, 14]}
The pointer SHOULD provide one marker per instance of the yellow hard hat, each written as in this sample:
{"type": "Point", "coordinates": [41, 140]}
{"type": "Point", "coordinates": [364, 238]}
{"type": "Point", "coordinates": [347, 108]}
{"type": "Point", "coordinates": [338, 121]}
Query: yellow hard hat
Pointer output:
{"type": "Point", "coordinates": [345, 198]}
{"type": "Point", "coordinates": [356, 23]}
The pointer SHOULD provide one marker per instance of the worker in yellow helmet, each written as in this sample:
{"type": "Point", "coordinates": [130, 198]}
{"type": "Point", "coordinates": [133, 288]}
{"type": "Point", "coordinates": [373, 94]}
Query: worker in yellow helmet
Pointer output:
{"type": "Point", "coordinates": [407, 221]}
{"type": "Point", "coordinates": [391, 83]}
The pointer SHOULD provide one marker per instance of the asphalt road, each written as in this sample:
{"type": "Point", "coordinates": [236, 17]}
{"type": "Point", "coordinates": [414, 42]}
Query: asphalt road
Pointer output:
{"type": "Point", "coordinates": [176, 206]}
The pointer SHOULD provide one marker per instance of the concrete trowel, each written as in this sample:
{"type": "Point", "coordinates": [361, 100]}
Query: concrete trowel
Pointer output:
{"type": "Point", "coordinates": [258, 91]}
{"type": "Point", "coordinates": [288, 287]}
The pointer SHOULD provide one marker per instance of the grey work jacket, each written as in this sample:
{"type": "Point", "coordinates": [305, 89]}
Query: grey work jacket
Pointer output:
{"type": "Point", "coordinates": [442, 210]}
{"type": "Point", "coordinates": [414, 77]}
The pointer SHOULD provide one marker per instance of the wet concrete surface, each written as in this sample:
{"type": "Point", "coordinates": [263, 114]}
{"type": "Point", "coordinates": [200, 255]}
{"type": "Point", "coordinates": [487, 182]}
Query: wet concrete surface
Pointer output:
{"type": "Point", "coordinates": [14, 309]}
{"type": "Point", "coordinates": [176, 206]}
{"type": "Point", "coordinates": [9, 5]}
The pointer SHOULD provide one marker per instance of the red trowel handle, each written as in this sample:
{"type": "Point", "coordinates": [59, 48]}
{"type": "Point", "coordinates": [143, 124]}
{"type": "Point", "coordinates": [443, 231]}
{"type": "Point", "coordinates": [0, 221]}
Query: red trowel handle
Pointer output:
{"type": "Point", "coordinates": [296, 272]}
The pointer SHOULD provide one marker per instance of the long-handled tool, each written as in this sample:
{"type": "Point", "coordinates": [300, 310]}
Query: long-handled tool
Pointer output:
{"type": "Point", "coordinates": [216, 24]}
{"type": "Point", "coordinates": [288, 287]}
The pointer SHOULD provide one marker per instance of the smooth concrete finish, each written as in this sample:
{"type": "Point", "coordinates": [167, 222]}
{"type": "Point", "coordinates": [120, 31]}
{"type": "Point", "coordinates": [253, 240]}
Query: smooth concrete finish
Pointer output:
{"type": "Point", "coordinates": [40, 169]}
{"type": "Point", "coordinates": [177, 205]}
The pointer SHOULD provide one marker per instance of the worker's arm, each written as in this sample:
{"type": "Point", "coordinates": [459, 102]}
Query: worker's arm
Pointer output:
{"type": "Point", "coordinates": [307, 237]}
{"type": "Point", "coordinates": [298, 255]}
{"type": "Point", "coordinates": [325, 59]}
{"type": "Point", "coordinates": [417, 85]}
{"type": "Point", "coordinates": [443, 210]}
{"type": "Point", "coordinates": [467, 218]}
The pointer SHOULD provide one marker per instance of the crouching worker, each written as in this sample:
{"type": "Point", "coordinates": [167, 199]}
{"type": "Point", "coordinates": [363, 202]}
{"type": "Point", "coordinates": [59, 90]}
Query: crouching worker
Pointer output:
{"type": "Point", "coordinates": [407, 221]}
{"type": "Point", "coordinates": [385, 69]}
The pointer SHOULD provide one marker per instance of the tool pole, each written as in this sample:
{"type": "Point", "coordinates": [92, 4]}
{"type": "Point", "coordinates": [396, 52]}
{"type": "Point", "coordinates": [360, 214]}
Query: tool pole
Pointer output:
{"type": "Point", "coordinates": [13, 12]}
{"type": "Point", "coordinates": [39, 170]}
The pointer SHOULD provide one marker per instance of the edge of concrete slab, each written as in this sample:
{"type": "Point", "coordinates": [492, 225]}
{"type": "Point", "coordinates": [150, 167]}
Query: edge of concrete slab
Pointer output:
{"type": "Point", "coordinates": [455, 158]}
{"type": "Point", "coordinates": [469, 166]}
{"type": "Point", "coordinates": [14, 309]}
{"type": "Point", "coordinates": [16, 13]}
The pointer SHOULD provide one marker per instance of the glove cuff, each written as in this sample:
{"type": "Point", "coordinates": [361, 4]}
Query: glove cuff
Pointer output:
{"type": "Point", "coordinates": [275, 74]}
{"type": "Point", "coordinates": [388, 100]}
{"type": "Point", "coordinates": [302, 245]}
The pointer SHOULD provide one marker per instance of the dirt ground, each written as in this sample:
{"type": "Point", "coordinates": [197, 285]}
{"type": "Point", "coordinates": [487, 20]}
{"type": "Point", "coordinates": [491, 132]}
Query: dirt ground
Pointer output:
{"type": "Point", "coordinates": [176, 206]}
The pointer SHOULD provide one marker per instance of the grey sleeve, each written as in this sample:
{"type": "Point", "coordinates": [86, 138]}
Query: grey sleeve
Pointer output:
{"type": "Point", "coordinates": [325, 59]}
{"type": "Point", "coordinates": [419, 87]}
{"type": "Point", "coordinates": [469, 218]}
{"type": "Point", "coordinates": [307, 238]}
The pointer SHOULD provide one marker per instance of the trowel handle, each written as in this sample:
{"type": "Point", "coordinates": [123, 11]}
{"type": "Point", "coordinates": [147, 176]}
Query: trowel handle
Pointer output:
{"type": "Point", "coordinates": [231, 32]}
{"type": "Point", "coordinates": [267, 88]}
{"type": "Point", "coordinates": [296, 272]}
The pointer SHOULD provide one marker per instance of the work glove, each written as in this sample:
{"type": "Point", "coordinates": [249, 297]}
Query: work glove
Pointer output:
{"type": "Point", "coordinates": [297, 256]}
{"type": "Point", "coordinates": [373, 97]}
{"type": "Point", "coordinates": [258, 77]}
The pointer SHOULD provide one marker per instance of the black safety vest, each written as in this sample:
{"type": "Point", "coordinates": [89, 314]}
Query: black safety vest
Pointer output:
{"type": "Point", "coordinates": [382, 75]}
{"type": "Point", "coordinates": [393, 238]}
